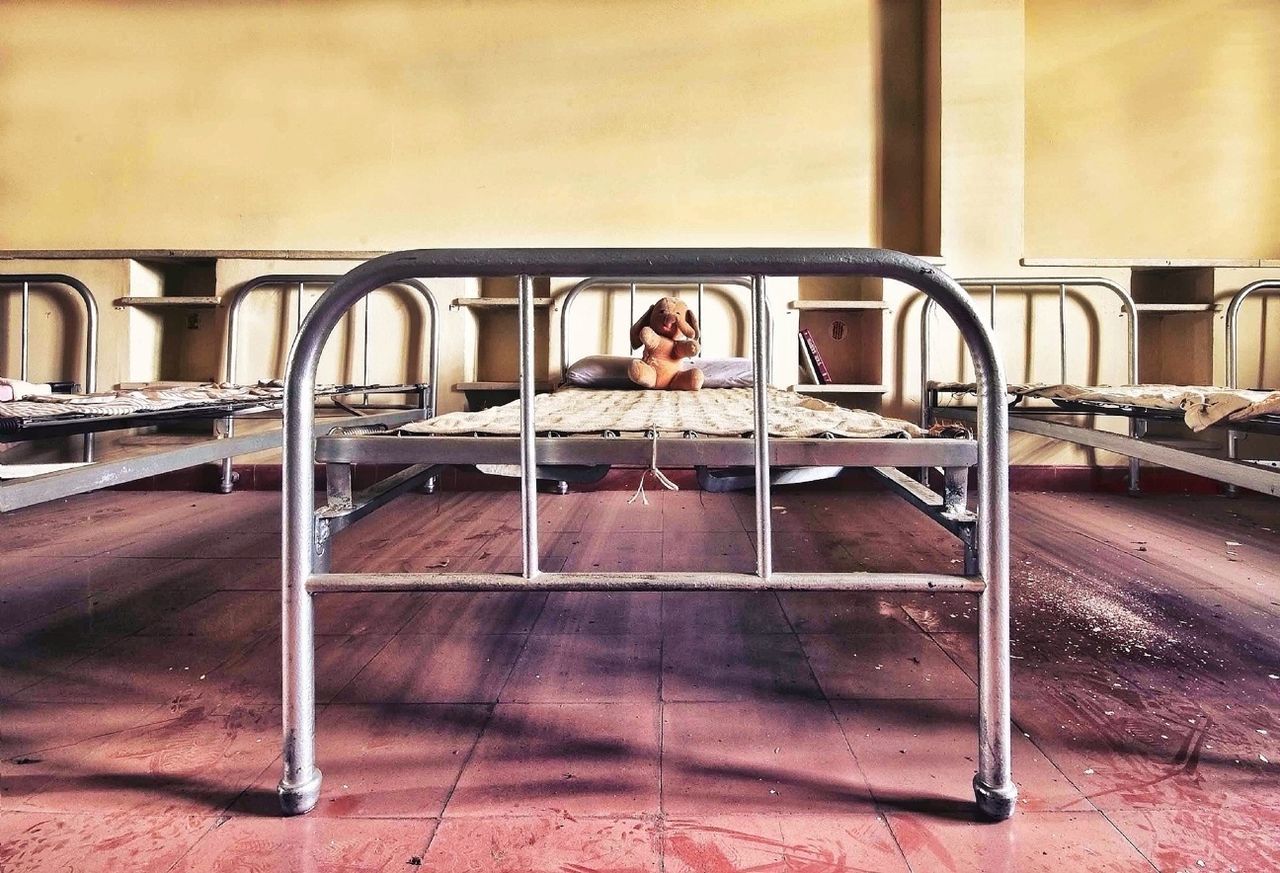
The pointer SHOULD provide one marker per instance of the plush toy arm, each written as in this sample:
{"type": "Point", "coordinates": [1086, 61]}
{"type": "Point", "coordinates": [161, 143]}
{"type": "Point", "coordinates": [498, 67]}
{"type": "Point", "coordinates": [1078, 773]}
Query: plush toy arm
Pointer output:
{"type": "Point", "coordinates": [687, 348]}
{"type": "Point", "coordinates": [649, 339]}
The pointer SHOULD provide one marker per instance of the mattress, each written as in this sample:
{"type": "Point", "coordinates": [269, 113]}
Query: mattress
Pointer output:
{"type": "Point", "coordinates": [1201, 406]}
{"type": "Point", "coordinates": [709, 412]}
{"type": "Point", "coordinates": [130, 401]}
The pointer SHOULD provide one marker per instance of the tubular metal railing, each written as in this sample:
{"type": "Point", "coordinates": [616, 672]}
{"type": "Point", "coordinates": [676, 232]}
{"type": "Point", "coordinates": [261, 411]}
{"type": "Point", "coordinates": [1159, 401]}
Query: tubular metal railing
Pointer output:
{"type": "Point", "coordinates": [305, 557]}
{"type": "Point", "coordinates": [1233, 347]}
{"type": "Point", "coordinates": [236, 302]}
{"type": "Point", "coordinates": [26, 280]}
{"type": "Point", "coordinates": [1018, 283]}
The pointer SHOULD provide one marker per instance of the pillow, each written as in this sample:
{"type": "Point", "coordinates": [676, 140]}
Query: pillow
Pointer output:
{"type": "Point", "coordinates": [726, 372]}
{"type": "Point", "coordinates": [599, 371]}
{"type": "Point", "coordinates": [610, 371]}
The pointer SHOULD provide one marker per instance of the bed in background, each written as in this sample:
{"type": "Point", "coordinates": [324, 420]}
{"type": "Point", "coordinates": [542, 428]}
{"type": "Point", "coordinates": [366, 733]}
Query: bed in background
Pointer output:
{"type": "Point", "coordinates": [1229, 408]}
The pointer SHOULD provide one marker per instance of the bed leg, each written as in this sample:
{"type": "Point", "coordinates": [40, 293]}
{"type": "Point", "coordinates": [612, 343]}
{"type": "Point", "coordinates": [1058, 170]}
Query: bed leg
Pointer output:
{"type": "Point", "coordinates": [299, 788]}
{"type": "Point", "coordinates": [227, 480]}
{"type": "Point", "coordinates": [337, 485]}
{"type": "Point", "coordinates": [429, 486]}
{"type": "Point", "coordinates": [562, 487]}
{"type": "Point", "coordinates": [1138, 430]}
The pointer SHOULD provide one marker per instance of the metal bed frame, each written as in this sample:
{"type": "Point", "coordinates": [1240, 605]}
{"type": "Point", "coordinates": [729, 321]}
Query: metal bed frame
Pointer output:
{"type": "Point", "coordinates": [1234, 434]}
{"type": "Point", "coordinates": [1231, 471]}
{"type": "Point", "coordinates": [307, 533]}
{"type": "Point", "coordinates": [226, 480]}
{"type": "Point", "coordinates": [90, 328]}
{"type": "Point", "coordinates": [20, 493]}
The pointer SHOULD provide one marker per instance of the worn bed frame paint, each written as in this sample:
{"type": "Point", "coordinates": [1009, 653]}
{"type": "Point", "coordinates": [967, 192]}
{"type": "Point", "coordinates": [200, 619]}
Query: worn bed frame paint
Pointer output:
{"type": "Point", "coordinates": [236, 301]}
{"type": "Point", "coordinates": [306, 537]}
{"type": "Point", "coordinates": [927, 397]}
{"type": "Point", "coordinates": [1230, 471]}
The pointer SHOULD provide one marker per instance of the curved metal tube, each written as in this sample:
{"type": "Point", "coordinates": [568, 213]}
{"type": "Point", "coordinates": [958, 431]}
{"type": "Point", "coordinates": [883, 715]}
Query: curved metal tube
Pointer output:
{"type": "Point", "coordinates": [236, 302]}
{"type": "Point", "coordinates": [1233, 325]}
{"type": "Point", "coordinates": [300, 783]}
{"type": "Point", "coordinates": [1126, 303]}
{"type": "Point", "coordinates": [654, 281]}
{"type": "Point", "coordinates": [90, 313]}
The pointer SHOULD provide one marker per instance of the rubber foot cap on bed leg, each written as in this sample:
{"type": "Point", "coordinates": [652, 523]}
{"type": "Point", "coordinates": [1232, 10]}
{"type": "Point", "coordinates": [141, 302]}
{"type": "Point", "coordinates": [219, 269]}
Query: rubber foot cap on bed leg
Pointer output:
{"type": "Point", "coordinates": [301, 798]}
{"type": "Point", "coordinates": [995, 804]}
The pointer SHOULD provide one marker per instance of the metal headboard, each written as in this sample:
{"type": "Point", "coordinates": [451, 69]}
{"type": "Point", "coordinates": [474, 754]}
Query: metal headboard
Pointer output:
{"type": "Point", "coordinates": [237, 298]}
{"type": "Point", "coordinates": [301, 280]}
{"type": "Point", "coordinates": [26, 280]}
{"type": "Point", "coordinates": [1233, 325]}
{"type": "Point", "coordinates": [1062, 283]}
{"type": "Point", "coordinates": [632, 283]}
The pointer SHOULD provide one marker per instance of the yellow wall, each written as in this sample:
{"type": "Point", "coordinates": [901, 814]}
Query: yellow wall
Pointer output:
{"type": "Point", "coordinates": [370, 125]}
{"type": "Point", "coordinates": [356, 127]}
{"type": "Point", "coordinates": [1152, 128]}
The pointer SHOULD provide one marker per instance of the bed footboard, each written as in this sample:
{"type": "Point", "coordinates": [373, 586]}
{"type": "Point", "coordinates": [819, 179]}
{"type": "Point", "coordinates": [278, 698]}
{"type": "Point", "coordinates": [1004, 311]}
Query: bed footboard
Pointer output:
{"type": "Point", "coordinates": [305, 542]}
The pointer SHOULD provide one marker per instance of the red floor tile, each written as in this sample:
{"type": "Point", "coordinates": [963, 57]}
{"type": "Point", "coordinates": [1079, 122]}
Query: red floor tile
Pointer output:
{"type": "Point", "coordinates": [827, 612]}
{"type": "Point", "coordinates": [97, 843]}
{"type": "Point", "coordinates": [580, 759]}
{"type": "Point", "coordinates": [1029, 842]}
{"type": "Point", "coordinates": [253, 675]}
{"type": "Point", "coordinates": [185, 762]}
{"type": "Point", "coordinates": [780, 843]}
{"type": "Point", "coordinates": [922, 754]}
{"type": "Point", "coordinates": [708, 552]}
{"type": "Point", "coordinates": [605, 551]}
{"type": "Point", "coordinates": [897, 665]}
{"type": "Point", "coordinates": [585, 668]}
{"type": "Point", "coordinates": [224, 615]}
{"type": "Point", "coordinates": [757, 757]}
{"type": "Point", "coordinates": [550, 844]}
{"type": "Point", "coordinates": [430, 668]}
{"type": "Point", "coordinates": [1204, 839]}
{"type": "Point", "coordinates": [703, 612]}
{"type": "Point", "coordinates": [379, 612]}
{"type": "Point", "coordinates": [714, 666]}
{"type": "Point", "coordinates": [601, 612]}
{"type": "Point", "coordinates": [309, 843]}
{"type": "Point", "coordinates": [383, 760]}
{"type": "Point", "coordinates": [699, 511]}
{"type": "Point", "coordinates": [483, 612]}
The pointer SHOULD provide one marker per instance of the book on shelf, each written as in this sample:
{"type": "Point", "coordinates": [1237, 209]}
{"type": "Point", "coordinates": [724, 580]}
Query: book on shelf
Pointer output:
{"type": "Point", "coordinates": [806, 364]}
{"type": "Point", "coordinates": [811, 347]}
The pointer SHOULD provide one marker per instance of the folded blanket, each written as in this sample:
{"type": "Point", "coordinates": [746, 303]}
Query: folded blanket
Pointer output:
{"type": "Point", "coordinates": [16, 389]}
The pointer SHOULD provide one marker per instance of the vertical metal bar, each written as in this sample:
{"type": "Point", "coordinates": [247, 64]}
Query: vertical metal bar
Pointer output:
{"type": "Point", "coordinates": [760, 394]}
{"type": "Point", "coordinates": [26, 330]}
{"type": "Point", "coordinates": [701, 324]}
{"type": "Point", "coordinates": [528, 448]}
{"type": "Point", "coordinates": [632, 304]}
{"type": "Point", "coordinates": [926, 396]}
{"type": "Point", "coordinates": [297, 323]}
{"type": "Point", "coordinates": [1062, 332]}
{"type": "Point", "coordinates": [365, 374]}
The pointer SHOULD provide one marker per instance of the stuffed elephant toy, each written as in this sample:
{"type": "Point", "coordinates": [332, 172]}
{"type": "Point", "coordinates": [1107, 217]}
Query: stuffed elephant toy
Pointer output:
{"type": "Point", "coordinates": [659, 331]}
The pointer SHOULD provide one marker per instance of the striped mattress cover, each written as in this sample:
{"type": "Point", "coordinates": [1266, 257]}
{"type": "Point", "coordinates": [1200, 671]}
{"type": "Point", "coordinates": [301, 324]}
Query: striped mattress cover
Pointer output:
{"type": "Point", "coordinates": [1202, 406]}
{"type": "Point", "coordinates": [709, 412]}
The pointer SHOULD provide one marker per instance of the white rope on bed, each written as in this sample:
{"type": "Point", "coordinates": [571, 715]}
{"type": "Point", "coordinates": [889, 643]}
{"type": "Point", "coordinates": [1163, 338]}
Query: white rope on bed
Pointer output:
{"type": "Point", "coordinates": [657, 474]}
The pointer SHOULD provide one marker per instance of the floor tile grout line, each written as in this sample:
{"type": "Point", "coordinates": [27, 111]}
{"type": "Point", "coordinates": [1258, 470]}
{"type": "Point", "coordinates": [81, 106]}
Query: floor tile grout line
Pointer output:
{"type": "Point", "coordinates": [484, 728]}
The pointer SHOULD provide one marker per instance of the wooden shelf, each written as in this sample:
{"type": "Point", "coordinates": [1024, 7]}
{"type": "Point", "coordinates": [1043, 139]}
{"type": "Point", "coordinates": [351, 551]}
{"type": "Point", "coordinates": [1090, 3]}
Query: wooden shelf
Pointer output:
{"type": "Point", "coordinates": [1175, 307]}
{"type": "Point", "coordinates": [836, 305]}
{"type": "Point", "coordinates": [840, 388]}
{"type": "Point", "coordinates": [174, 301]}
{"type": "Point", "coordinates": [1147, 263]}
{"type": "Point", "coordinates": [497, 302]}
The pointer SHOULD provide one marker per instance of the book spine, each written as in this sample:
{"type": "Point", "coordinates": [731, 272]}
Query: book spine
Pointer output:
{"type": "Point", "coordinates": [824, 375]}
{"type": "Point", "coordinates": [806, 361]}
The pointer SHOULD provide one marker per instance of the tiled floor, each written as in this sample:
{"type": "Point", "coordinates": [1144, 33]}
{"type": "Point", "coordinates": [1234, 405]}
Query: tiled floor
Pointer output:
{"type": "Point", "coordinates": [139, 639]}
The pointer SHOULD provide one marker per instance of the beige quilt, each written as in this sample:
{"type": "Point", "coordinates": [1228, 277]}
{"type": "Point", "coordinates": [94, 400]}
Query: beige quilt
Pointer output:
{"type": "Point", "coordinates": [711, 412]}
{"type": "Point", "coordinates": [1202, 406]}
{"type": "Point", "coordinates": [149, 399]}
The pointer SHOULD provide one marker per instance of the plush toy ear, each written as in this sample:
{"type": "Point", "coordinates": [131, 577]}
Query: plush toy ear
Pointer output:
{"type": "Point", "coordinates": [641, 322]}
{"type": "Point", "coordinates": [689, 324]}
